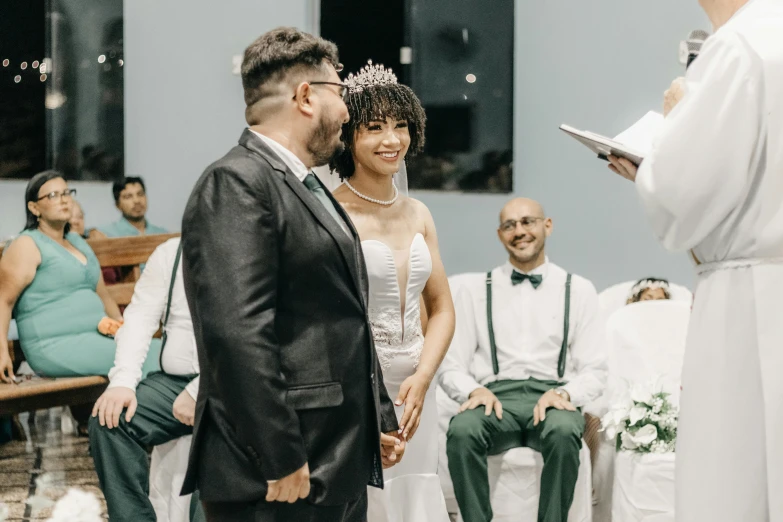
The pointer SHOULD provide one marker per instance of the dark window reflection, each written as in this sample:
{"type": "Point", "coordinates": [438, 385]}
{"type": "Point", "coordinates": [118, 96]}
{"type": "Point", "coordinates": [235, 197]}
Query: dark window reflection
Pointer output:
{"type": "Point", "coordinates": [462, 70]}
{"type": "Point", "coordinates": [67, 112]}
{"type": "Point", "coordinates": [22, 113]}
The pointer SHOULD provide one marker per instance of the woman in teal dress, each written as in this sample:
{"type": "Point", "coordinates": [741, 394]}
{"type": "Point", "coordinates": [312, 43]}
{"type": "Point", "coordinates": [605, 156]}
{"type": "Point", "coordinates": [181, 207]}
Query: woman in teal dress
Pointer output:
{"type": "Point", "coordinates": [50, 281]}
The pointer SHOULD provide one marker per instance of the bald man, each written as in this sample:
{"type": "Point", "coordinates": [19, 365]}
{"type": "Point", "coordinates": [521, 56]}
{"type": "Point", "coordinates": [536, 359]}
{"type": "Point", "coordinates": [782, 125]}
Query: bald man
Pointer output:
{"type": "Point", "coordinates": [527, 353]}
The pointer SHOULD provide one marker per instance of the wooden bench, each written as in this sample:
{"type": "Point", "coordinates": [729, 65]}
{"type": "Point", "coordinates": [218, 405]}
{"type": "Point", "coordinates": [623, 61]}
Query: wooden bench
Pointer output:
{"type": "Point", "coordinates": [41, 393]}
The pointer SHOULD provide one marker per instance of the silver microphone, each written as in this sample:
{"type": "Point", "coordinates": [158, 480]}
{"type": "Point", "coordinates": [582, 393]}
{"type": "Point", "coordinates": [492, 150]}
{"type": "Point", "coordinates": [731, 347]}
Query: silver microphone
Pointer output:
{"type": "Point", "coordinates": [691, 47]}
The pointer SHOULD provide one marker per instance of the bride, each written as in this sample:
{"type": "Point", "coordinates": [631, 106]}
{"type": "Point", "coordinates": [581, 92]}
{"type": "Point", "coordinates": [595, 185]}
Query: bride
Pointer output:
{"type": "Point", "coordinates": [404, 269]}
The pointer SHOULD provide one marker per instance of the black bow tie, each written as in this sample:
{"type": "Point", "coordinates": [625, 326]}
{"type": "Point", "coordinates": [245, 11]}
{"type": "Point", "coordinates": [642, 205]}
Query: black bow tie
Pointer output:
{"type": "Point", "coordinates": [517, 278]}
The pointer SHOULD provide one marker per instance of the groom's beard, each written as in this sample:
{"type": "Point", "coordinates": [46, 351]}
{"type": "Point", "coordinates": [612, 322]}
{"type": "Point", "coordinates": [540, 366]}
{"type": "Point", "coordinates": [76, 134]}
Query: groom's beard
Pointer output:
{"type": "Point", "coordinates": [325, 143]}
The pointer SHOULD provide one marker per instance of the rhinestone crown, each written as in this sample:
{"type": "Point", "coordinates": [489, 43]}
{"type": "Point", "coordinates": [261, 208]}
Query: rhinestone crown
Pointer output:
{"type": "Point", "coordinates": [370, 75]}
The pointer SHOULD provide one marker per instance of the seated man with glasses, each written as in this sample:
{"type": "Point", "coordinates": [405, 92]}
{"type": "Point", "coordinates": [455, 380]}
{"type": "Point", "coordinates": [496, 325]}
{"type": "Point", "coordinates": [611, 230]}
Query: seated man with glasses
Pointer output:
{"type": "Point", "coordinates": [527, 353]}
{"type": "Point", "coordinates": [50, 281]}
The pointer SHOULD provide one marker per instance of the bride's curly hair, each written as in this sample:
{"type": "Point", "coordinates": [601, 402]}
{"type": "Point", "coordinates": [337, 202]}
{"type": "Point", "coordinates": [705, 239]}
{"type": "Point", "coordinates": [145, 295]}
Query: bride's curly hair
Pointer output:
{"type": "Point", "coordinates": [378, 102]}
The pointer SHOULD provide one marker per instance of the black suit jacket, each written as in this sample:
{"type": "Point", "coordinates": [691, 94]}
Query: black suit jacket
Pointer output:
{"type": "Point", "coordinates": [278, 293]}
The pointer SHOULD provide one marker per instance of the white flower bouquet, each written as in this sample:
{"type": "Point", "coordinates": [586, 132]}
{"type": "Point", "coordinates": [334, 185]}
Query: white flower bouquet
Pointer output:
{"type": "Point", "coordinates": [645, 422]}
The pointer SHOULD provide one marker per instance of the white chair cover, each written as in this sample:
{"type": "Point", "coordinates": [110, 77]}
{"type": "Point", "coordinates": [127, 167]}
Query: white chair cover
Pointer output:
{"type": "Point", "coordinates": [514, 476]}
{"type": "Point", "coordinates": [643, 488]}
{"type": "Point", "coordinates": [646, 340]}
{"type": "Point", "coordinates": [167, 473]}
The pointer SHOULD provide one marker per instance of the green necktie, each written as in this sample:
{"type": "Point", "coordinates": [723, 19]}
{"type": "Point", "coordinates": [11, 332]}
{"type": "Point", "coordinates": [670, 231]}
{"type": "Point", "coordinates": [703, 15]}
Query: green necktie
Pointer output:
{"type": "Point", "coordinates": [318, 191]}
{"type": "Point", "coordinates": [518, 277]}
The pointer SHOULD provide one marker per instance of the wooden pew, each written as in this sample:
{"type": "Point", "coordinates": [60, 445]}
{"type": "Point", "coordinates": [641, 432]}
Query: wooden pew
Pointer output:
{"type": "Point", "coordinates": [41, 393]}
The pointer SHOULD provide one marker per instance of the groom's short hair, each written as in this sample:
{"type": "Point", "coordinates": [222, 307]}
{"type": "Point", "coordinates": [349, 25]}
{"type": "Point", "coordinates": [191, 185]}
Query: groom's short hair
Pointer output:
{"type": "Point", "coordinates": [279, 53]}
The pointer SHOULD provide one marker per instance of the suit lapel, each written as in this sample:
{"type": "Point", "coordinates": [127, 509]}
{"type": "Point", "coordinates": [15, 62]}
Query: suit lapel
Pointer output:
{"type": "Point", "coordinates": [344, 243]}
{"type": "Point", "coordinates": [349, 247]}
{"type": "Point", "coordinates": [361, 271]}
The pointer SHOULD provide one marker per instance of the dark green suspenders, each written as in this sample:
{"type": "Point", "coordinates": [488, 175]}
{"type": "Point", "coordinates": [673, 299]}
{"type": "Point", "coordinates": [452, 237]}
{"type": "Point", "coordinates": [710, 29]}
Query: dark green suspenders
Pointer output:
{"type": "Point", "coordinates": [492, 347]}
{"type": "Point", "coordinates": [168, 304]}
{"type": "Point", "coordinates": [561, 363]}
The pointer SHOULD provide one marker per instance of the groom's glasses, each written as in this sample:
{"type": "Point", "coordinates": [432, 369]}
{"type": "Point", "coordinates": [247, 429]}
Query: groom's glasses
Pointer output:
{"type": "Point", "coordinates": [343, 88]}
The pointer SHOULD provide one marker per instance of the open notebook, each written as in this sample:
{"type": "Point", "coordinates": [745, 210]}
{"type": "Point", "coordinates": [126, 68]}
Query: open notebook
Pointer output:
{"type": "Point", "coordinates": [633, 144]}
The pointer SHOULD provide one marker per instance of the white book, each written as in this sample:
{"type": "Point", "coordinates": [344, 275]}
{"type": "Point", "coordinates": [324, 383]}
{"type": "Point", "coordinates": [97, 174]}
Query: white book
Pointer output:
{"type": "Point", "coordinates": [632, 144]}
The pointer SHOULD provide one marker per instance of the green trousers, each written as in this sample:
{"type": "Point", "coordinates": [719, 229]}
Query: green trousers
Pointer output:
{"type": "Point", "coordinates": [472, 436]}
{"type": "Point", "coordinates": [120, 454]}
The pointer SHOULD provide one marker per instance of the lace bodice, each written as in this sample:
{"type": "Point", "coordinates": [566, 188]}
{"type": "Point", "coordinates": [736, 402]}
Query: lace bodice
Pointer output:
{"type": "Point", "coordinates": [397, 331]}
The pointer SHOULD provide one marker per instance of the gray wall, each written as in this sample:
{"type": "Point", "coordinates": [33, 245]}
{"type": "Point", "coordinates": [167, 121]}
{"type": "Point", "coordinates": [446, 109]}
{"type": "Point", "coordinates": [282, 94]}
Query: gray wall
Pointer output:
{"type": "Point", "coordinates": [596, 65]}
{"type": "Point", "coordinates": [183, 107]}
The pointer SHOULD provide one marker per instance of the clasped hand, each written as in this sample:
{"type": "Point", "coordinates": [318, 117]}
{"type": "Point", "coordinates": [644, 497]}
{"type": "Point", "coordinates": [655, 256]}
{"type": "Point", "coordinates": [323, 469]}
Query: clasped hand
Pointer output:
{"type": "Point", "coordinates": [392, 449]}
{"type": "Point", "coordinates": [412, 393]}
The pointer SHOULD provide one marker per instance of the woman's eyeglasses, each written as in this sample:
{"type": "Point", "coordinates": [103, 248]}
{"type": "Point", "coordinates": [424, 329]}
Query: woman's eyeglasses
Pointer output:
{"type": "Point", "coordinates": [65, 194]}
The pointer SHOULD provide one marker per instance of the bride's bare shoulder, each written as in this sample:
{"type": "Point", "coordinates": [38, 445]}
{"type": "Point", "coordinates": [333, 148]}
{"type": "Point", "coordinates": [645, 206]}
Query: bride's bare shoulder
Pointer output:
{"type": "Point", "coordinates": [424, 221]}
{"type": "Point", "coordinates": [418, 207]}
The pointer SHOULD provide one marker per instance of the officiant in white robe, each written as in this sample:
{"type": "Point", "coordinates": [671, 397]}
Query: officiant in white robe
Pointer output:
{"type": "Point", "coordinates": [713, 185]}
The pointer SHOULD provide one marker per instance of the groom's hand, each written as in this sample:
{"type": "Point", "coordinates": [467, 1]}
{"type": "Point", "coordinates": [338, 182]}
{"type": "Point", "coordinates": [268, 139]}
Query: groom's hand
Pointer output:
{"type": "Point", "coordinates": [291, 488]}
{"type": "Point", "coordinates": [392, 449]}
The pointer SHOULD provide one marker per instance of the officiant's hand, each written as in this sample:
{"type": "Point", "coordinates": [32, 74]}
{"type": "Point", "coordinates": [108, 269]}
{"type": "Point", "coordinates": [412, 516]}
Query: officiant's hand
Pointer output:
{"type": "Point", "coordinates": [623, 167]}
{"type": "Point", "coordinates": [550, 400]}
{"type": "Point", "coordinates": [483, 397]}
{"type": "Point", "coordinates": [291, 488]}
{"type": "Point", "coordinates": [412, 392]}
{"type": "Point", "coordinates": [673, 95]}
{"type": "Point", "coordinates": [392, 449]}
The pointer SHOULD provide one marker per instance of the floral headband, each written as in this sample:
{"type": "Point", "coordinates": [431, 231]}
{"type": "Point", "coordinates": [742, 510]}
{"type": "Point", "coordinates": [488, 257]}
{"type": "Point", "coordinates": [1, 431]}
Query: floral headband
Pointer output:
{"type": "Point", "coordinates": [648, 284]}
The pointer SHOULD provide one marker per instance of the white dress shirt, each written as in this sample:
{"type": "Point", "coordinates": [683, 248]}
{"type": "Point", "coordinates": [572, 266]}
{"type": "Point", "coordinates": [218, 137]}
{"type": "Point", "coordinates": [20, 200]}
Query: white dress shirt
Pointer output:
{"type": "Point", "coordinates": [295, 164]}
{"type": "Point", "coordinates": [143, 317]}
{"type": "Point", "coordinates": [528, 326]}
{"type": "Point", "coordinates": [289, 158]}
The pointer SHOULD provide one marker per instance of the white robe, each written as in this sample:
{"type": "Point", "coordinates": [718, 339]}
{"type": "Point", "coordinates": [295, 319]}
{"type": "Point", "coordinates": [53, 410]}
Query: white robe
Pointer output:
{"type": "Point", "coordinates": [714, 184]}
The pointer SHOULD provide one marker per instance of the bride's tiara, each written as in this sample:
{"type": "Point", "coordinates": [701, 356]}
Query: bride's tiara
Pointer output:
{"type": "Point", "coordinates": [369, 76]}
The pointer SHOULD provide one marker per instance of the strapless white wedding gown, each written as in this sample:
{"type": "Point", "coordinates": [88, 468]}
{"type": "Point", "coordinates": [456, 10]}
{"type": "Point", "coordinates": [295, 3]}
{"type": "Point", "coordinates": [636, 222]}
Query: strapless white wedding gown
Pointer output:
{"type": "Point", "coordinates": [412, 491]}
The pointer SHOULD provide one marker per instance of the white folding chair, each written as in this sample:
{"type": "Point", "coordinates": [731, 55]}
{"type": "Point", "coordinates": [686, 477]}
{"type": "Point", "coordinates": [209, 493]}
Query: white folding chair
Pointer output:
{"type": "Point", "coordinates": [514, 476]}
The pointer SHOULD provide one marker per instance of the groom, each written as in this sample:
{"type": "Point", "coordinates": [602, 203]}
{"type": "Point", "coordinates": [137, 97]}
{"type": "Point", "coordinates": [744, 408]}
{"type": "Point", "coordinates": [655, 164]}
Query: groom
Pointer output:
{"type": "Point", "coordinates": [293, 420]}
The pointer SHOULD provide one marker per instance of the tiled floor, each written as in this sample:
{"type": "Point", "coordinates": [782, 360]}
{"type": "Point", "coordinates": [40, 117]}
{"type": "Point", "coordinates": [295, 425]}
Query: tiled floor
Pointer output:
{"type": "Point", "coordinates": [46, 465]}
{"type": "Point", "coordinates": [43, 468]}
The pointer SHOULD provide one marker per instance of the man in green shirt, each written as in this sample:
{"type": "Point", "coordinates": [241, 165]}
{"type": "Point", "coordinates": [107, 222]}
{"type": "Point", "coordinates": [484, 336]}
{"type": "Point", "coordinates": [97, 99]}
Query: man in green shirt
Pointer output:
{"type": "Point", "coordinates": [130, 196]}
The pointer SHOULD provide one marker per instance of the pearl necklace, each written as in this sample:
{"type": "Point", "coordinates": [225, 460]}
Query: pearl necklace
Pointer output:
{"type": "Point", "coordinates": [373, 200]}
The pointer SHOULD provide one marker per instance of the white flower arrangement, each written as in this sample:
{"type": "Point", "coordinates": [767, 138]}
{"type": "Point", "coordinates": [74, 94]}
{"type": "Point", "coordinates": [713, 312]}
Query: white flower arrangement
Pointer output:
{"type": "Point", "coordinates": [75, 506]}
{"type": "Point", "coordinates": [645, 422]}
